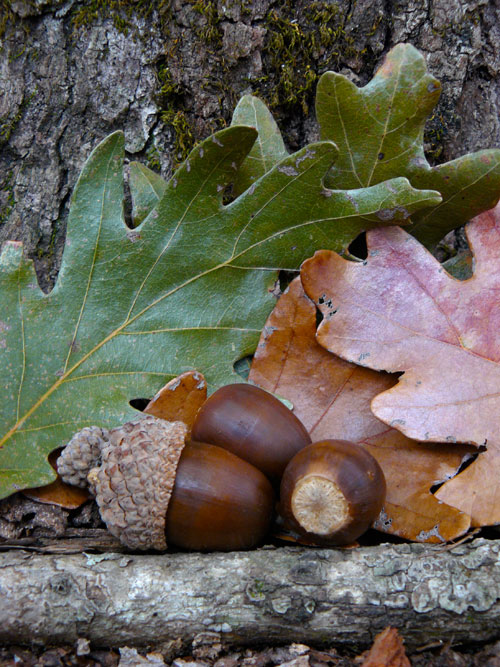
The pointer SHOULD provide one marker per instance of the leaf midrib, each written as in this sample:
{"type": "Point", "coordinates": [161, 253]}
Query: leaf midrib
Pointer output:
{"type": "Point", "coordinates": [386, 124]}
{"type": "Point", "coordinates": [129, 320]}
{"type": "Point", "coordinates": [93, 264]}
{"type": "Point", "coordinates": [23, 340]}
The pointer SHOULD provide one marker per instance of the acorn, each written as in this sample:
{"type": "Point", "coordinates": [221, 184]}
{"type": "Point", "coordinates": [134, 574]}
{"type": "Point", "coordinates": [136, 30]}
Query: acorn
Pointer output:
{"type": "Point", "coordinates": [253, 424]}
{"type": "Point", "coordinates": [331, 492]}
{"type": "Point", "coordinates": [219, 502]}
{"type": "Point", "coordinates": [152, 488]}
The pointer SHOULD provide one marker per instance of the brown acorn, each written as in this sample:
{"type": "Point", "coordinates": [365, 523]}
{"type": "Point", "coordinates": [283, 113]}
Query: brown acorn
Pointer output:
{"type": "Point", "coordinates": [331, 492]}
{"type": "Point", "coordinates": [219, 502]}
{"type": "Point", "coordinates": [254, 425]}
{"type": "Point", "coordinates": [153, 487]}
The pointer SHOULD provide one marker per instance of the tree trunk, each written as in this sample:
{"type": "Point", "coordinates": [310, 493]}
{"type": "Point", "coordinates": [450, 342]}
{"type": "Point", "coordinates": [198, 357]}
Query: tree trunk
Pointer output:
{"type": "Point", "coordinates": [315, 596]}
{"type": "Point", "coordinates": [170, 72]}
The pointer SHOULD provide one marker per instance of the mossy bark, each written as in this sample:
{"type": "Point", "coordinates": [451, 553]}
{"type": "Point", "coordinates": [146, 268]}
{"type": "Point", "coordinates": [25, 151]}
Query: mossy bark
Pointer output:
{"type": "Point", "coordinates": [170, 72]}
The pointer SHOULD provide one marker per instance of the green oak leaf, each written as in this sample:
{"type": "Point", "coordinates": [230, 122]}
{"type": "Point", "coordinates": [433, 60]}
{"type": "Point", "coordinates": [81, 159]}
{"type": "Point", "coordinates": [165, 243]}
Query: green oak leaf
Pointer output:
{"type": "Point", "coordinates": [147, 188]}
{"type": "Point", "coordinates": [379, 130]}
{"type": "Point", "coordinates": [267, 150]}
{"type": "Point", "coordinates": [189, 288]}
{"type": "Point", "coordinates": [460, 266]}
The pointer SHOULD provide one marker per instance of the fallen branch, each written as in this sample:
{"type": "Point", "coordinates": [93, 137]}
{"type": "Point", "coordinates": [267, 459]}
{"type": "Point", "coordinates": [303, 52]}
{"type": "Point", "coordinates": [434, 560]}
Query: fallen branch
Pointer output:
{"type": "Point", "coordinates": [74, 541]}
{"type": "Point", "coordinates": [315, 596]}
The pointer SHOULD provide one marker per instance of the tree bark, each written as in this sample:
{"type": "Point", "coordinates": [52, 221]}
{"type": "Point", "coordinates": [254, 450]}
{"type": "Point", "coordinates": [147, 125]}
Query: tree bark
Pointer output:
{"type": "Point", "coordinates": [315, 596]}
{"type": "Point", "coordinates": [169, 73]}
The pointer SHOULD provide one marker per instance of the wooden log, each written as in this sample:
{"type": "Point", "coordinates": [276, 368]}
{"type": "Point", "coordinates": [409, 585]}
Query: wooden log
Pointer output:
{"type": "Point", "coordinates": [74, 541]}
{"type": "Point", "coordinates": [272, 595]}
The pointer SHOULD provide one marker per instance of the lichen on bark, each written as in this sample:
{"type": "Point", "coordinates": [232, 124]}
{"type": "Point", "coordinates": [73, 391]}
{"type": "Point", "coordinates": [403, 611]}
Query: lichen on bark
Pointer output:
{"type": "Point", "coordinates": [339, 597]}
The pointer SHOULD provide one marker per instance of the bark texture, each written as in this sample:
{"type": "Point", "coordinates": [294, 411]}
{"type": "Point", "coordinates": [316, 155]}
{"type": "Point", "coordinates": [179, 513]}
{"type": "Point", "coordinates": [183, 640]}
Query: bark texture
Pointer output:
{"type": "Point", "coordinates": [170, 72]}
{"type": "Point", "coordinates": [318, 597]}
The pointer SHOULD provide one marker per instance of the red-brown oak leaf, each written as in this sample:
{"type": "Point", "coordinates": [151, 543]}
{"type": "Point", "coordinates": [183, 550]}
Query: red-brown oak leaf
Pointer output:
{"type": "Point", "coordinates": [58, 492]}
{"type": "Point", "coordinates": [400, 311]}
{"type": "Point", "coordinates": [332, 398]}
{"type": "Point", "coordinates": [387, 651]}
{"type": "Point", "coordinates": [180, 399]}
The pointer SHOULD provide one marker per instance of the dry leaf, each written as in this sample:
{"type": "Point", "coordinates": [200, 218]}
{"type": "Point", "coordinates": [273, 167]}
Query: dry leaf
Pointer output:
{"type": "Point", "coordinates": [58, 492]}
{"type": "Point", "coordinates": [180, 399]}
{"type": "Point", "coordinates": [189, 288]}
{"type": "Point", "coordinates": [387, 651]}
{"type": "Point", "coordinates": [400, 311]}
{"type": "Point", "coordinates": [332, 398]}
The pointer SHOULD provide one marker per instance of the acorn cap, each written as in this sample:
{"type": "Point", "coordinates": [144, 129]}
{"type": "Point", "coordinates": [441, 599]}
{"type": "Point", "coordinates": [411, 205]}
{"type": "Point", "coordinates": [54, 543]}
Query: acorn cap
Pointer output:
{"type": "Point", "coordinates": [81, 454]}
{"type": "Point", "coordinates": [134, 482]}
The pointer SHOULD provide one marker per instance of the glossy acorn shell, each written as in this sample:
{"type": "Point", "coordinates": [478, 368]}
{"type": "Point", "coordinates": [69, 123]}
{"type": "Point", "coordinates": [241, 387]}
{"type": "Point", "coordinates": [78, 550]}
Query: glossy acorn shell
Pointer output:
{"type": "Point", "coordinates": [353, 470]}
{"type": "Point", "coordinates": [219, 502]}
{"type": "Point", "coordinates": [254, 425]}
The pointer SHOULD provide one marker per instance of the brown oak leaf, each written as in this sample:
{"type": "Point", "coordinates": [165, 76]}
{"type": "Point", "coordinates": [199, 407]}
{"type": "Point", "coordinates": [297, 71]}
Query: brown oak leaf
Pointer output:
{"type": "Point", "coordinates": [387, 651]}
{"type": "Point", "coordinates": [332, 398]}
{"type": "Point", "coordinates": [400, 311]}
{"type": "Point", "coordinates": [58, 492]}
{"type": "Point", "coordinates": [180, 399]}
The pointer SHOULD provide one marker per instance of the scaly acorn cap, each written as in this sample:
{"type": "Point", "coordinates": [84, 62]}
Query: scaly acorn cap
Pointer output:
{"type": "Point", "coordinates": [135, 480]}
{"type": "Point", "coordinates": [81, 454]}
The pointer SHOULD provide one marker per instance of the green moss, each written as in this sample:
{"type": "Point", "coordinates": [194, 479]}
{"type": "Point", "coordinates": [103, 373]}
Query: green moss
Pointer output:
{"type": "Point", "coordinates": [7, 17]}
{"type": "Point", "coordinates": [7, 187]}
{"type": "Point", "coordinates": [171, 98]}
{"type": "Point", "coordinates": [153, 158]}
{"type": "Point", "coordinates": [375, 25]}
{"type": "Point", "coordinates": [205, 20]}
{"type": "Point", "coordinates": [47, 251]}
{"type": "Point", "coordinates": [169, 89]}
{"type": "Point", "coordinates": [296, 49]}
{"type": "Point", "coordinates": [174, 113]}
{"type": "Point", "coordinates": [256, 591]}
{"type": "Point", "coordinates": [184, 139]}
{"type": "Point", "coordinates": [210, 33]}
{"type": "Point", "coordinates": [246, 8]}
{"type": "Point", "coordinates": [462, 28]}
{"type": "Point", "coordinates": [8, 125]}
{"type": "Point", "coordinates": [121, 12]}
